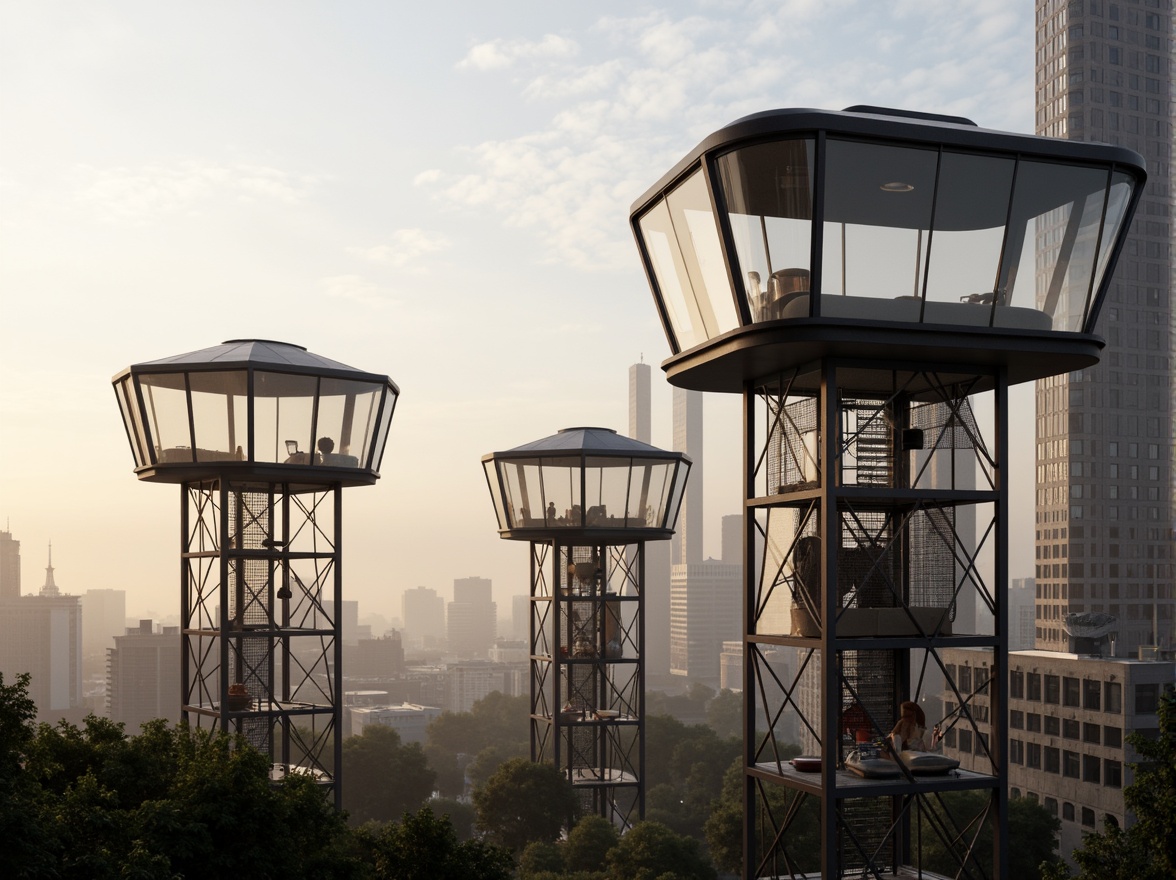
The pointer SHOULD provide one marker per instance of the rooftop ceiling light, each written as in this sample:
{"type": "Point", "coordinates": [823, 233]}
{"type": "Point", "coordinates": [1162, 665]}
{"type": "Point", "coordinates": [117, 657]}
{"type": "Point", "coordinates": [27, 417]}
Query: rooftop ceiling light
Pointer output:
{"type": "Point", "coordinates": [795, 234]}
{"type": "Point", "coordinates": [258, 407]}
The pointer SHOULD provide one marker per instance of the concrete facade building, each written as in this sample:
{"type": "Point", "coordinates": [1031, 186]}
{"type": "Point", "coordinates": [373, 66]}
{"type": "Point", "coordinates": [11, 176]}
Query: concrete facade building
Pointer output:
{"type": "Point", "coordinates": [143, 676]}
{"type": "Point", "coordinates": [410, 720]}
{"type": "Point", "coordinates": [1069, 719]}
{"type": "Point", "coordinates": [471, 620]}
{"type": "Point", "coordinates": [423, 612]}
{"type": "Point", "coordinates": [705, 611]}
{"type": "Point", "coordinates": [9, 566]}
{"type": "Point", "coordinates": [1105, 513]}
{"type": "Point", "coordinates": [42, 635]}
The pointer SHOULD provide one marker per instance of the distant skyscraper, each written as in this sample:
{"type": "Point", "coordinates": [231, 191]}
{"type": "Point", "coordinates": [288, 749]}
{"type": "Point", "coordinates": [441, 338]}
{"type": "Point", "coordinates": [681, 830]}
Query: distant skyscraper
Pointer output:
{"type": "Point", "coordinates": [472, 619]}
{"type": "Point", "coordinates": [1105, 510]}
{"type": "Point", "coordinates": [639, 402]}
{"type": "Point", "coordinates": [1021, 605]}
{"type": "Point", "coordinates": [104, 618]}
{"type": "Point", "coordinates": [705, 611]}
{"type": "Point", "coordinates": [657, 553]}
{"type": "Point", "coordinates": [143, 676]}
{"type": "Point", "coordinates": [424, 617]}
{"type": "Point", "coordinates": [9, 566]}
{"type": "Point", "coordinates": [733, 539]}
{"type": "Point", "coordinates": [687, 542]}
{"type": "Point", "coordinates": [42, 635]}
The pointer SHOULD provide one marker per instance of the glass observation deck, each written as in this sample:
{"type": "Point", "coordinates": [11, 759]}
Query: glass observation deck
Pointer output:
{"type": "Point", "coordinates": [252, 406]}
{"type": "Point", "coordinates": [586, 483]}
{"type": "Point", "coordinates": [792, 219]}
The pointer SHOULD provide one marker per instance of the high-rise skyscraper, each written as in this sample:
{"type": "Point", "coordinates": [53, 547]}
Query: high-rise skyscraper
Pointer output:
{"type": "Point", "coordinates": [639, 402]}
{"type": "Point", "coordinates": [657, 553]}
{"type": "Point", "coordinates": [42, 635]}
{"type": "Point", "coordinates": [687, 543]}
{"type": "Point", "coordinates": [423, 612]}
{"type": "Point", "coordinates": [9, 566]}
{"type": "Point", "coordinates": [472, 618]}
{"type": "Point", "coordinates": [1105, 514]}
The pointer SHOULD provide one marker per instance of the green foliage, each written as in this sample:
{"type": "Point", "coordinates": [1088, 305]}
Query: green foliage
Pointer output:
{"type": "Point", "coordinates": [460, 814]}
{"type": "Point", "coordinates": [524, 802]}
{"type": "Point", "coordinates": [588, 844]}
{"type": "Point", "coordinates": [650, 850]}
{"type": "Point", "coordinates": [541, 858]}
{"type": "Point", "coordinates": [724, 827]}
{"type": "Point", "coordinates": [684, 768]}
{"type": "Point", "coordinates": [383, 777]}
{"type": "Point", "coordinates": [724, 714]}
{"type": "Point", "coordinates": [457, 739]}
{"type": "Point", "coordinates": [1147, 849]}
{"type": "Point", "coordinates": [424, 847]}
{"type": "Point", "coordinates": [1032, 842]}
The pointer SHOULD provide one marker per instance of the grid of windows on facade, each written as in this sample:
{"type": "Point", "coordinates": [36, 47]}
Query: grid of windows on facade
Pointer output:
{"type": "Point", "coordinates": [1104, 450]}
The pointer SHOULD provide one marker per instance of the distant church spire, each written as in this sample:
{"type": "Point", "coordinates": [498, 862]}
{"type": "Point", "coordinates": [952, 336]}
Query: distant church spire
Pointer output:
{"type": "Point", "coordinates": [50, 588]}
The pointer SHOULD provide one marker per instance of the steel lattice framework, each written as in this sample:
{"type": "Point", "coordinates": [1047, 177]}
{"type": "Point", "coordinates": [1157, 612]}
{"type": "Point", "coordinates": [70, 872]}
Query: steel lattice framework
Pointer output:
{"type": "Point", "coordinates": [260, 585]}
{"type": "Point", "coordinates": [841, 630]}
{"type": "Point", "coordinates": [587, 672]}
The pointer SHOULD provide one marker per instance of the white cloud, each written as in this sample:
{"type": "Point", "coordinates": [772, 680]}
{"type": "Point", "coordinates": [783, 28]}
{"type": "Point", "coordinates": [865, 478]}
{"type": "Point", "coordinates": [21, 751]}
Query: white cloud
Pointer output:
{"type": "Point", "coordinates": [357, 289]}
{"type": "Point", "coordinates": [405, 247]}
{"type": "Point", "coordinates": [501, 54]}
{"type": "Point", "coordinates": [137, 195]}
{"type": "Point", "coordinates": [649, 79]}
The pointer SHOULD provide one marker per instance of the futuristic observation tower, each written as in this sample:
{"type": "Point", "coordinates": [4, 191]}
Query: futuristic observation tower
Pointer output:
{"type": "Point", "coordinates": [872, 282]}
{"type": "Point", "coordinates": [261, 437]}
{"type": "Point", "coordinates": [587, 500]}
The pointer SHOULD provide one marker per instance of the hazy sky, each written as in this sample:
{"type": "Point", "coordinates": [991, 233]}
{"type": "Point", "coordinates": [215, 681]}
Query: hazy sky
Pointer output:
{"type": "Point", "coordinates": [436, 191]}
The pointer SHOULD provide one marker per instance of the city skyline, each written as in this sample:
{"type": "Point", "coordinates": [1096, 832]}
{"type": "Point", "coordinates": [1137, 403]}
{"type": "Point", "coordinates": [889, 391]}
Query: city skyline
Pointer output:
{"type": "Point", "coordinates": [393, 189]}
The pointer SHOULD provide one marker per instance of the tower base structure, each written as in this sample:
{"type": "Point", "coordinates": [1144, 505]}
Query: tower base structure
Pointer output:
{"type": "Point", "coordinates": [587, 674]}
{"type": "Point", "coordinates": [876, 538]}
{"type": "Point", "coordinates": [261, 588]}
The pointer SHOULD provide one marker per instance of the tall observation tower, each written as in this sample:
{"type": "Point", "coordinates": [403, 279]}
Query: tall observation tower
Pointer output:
{"type": "Point", "coordinates": [261, 437]}
{"type": "Point", "coordinates": [872, 282]}
{"type": "Point", "coordinates": [588, 500]}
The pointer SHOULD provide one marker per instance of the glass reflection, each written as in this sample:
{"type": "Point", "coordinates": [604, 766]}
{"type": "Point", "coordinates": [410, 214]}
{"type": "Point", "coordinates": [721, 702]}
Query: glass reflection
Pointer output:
{"type": "Point", "coordinates": [166, 401]}
{"type": "Point", "coordinates": [767, 189]}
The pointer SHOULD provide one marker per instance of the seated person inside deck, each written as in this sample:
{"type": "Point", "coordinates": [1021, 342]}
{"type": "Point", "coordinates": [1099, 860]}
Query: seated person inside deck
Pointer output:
{"type": "Point", "coordinates": [911, 730]}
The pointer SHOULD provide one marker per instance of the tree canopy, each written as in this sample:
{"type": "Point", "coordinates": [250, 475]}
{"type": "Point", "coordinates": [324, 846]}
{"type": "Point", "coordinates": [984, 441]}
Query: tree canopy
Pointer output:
{"type": "Point", "coordinates": [1145, 850]}
{"type": "Point", "coordinates": [524, 802]}
{"type": "Point", "coordinates": [384, 778]}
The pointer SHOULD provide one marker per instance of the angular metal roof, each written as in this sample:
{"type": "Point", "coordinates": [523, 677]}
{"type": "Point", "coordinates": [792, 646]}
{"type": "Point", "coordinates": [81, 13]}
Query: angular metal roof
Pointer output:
{"type": "Point", "coordinates": [589, 441]}
{"type": "Point", "coordinates": [238, 352]}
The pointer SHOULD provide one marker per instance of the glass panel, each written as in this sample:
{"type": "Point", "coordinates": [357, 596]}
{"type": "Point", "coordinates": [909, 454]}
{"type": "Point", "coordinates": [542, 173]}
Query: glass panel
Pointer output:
{"type": "Point", "coordinates": [637, 510]}
{"type": "Point", "coordinates": [495, 492]}
{"type": "Point", "coordinates": [657, 494]}
{"type": "Point", "coordinates": [1120, 197]}
{"type": "Point", "coordinates": [131, 421]}
{"type": "Point", "coordinates": [1057, 210]}
{"type": "Point", "coordinates": [768, 194]}
{"type": "Point", "coordinates": [698, 240]}
{"type": "Point", "coordinates": [971, 207]}
{"type": "Point", "coordinates": [670, 276]}
{"type": "Point", "coordinates": [680, 476]}
{"type": "Point", "coordinates": [385, 418]}
{"type": "Point", "coordinates": [282, 407]}
{"type": "Point", "coordinates": [606, 487]}
{"type": "Point", "coordinates": [524, 500]}
{"type": "Point", "coordinates": [346, 421]}
{"type": "Point", "coordinates": [166, 403]}
{"type": "Point", "coordinates": [561, 491]}
{"type": "Point", "coordinates": [220, 412]}
{"type": "Point", "coordinates": [877, 214]}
